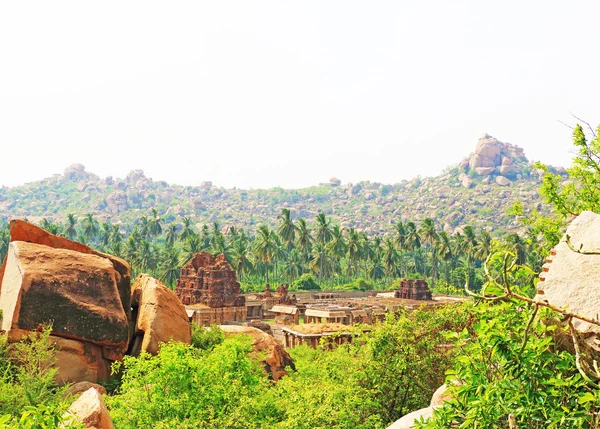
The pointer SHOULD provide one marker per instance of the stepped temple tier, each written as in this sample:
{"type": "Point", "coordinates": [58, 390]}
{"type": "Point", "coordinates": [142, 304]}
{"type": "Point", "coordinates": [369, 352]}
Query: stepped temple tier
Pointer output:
{"type": "Point", "coordinates": [416, 289]}
{"type": "Point", "coordinates": [209, 289]}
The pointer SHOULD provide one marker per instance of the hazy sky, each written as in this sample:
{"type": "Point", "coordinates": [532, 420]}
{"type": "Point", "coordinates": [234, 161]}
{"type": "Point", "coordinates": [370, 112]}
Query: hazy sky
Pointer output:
{"type": "Point", "coordinates": [282, 93]}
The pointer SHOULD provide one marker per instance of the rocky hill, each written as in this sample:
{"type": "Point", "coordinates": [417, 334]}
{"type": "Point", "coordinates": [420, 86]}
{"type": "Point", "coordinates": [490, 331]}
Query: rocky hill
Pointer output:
{"type": "Point", "coordinates": [477, 191]}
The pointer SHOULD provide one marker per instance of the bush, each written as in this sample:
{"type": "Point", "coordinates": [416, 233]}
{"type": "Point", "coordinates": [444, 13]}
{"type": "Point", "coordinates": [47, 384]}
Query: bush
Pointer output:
{"type": "Point", "coordinates": [305, 282]}
{"type": "Point", "coordinates": [501, 371]}
{"type": "Point", "coordinates": [188, 388]}
{"type": "Point", "coordinates": [29, 398]}
{"type": "Point", "coordinates": [357, 284]}
{"type": "Point", "coordinates": [206, 339]}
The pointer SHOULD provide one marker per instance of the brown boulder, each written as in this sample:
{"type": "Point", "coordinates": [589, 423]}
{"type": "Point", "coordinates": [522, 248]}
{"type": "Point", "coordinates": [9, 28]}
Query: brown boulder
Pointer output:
{"type": "Point", "coordinates": [78, 361]}
{"type": "Point", "coordinates": [21, 230]}
{"type": "Point", "coordinates": [160, 315]}
{"type": "Point", "coordinates": [90, 410]}
{"type": "Point", "coordinates": [277, 358]}
{"type": "Point", "coordinates": [82, 386]}
{"type": "Point", "coordinates": [75, 291]}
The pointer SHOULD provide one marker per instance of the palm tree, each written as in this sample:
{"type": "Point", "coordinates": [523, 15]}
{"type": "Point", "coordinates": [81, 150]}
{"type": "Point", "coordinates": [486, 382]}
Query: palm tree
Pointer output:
{"type": "Point", "coordinates": [390, 257]}
{"type": "Point", "coordinates": [171, 235]}
{"type": "Point", "coordinates": [429, 237]}
{"type": "Point", "coordinates": [412, 241]}
{"type": "Point", "coordinates": [90, 227]}
{"type": "Point", "coordinates": [484, 246]}
{"type": "Point", "coordinates": [518, 246]}
{"type": "Point", "coordinates": [336, 248]}
{"type": "Point", "coordinates": [169, 266]}
{"type": "Point", "coordinates": [71, 230]}
{"type": "Point", "coordinates": [146, 258]}
{"type": "Point", "coordinates": [400, 238]}
{"type": "Point", "coordinates": [155, 226]}
{"type": "Point", "coordinates": [443, 248]}
{"type": "Point", "coordinates": [193, 245]}
{"type": "Point", "coordinates": [187, 229]}
{"type": "Point", "coordinates": [240, 261]}
{"type": "Point", "coordinates": [265, 247]}
{"type": "Point", "coordinates": [466, 243]}
{"type": "Point", "coordinates": [324, 235]}
{"type": "Point", "coordinates": [105, 234]}
{"type": "Point", "coordinates": [305, 239]}
{"type": "Point", "coordinates": [144, 227]}
{"type": "Point", "coordinates": [294, 265]}
{"type": "Point", "coordinates": [287, 229]}
{"type": "Point", "coordinates": [354, 251]}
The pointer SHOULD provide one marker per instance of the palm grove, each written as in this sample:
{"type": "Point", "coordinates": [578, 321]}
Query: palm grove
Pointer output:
{"type": "Point", "coordinates": [306, 255]}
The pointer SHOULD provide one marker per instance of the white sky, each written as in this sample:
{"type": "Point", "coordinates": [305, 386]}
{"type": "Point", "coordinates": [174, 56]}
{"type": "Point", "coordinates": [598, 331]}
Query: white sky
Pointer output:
{"type": "Point", "coordinates": [281, 93]}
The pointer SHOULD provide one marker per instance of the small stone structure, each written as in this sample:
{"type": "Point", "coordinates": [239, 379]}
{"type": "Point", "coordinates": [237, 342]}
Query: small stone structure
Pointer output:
{"type": "Point", "coordinates": [209, 286]}
{"type": "Point", "coordinates": [416, 289]}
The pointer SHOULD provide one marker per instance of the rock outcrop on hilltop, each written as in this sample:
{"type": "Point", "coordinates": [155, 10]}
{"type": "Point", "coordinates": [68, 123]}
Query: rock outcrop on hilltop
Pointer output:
{"type": "Point", "coordinates": [86, 297]}
{"type": "Point", "coordinates": [277, 358]}
{"type": "Point", "coordinates": [493, 156]}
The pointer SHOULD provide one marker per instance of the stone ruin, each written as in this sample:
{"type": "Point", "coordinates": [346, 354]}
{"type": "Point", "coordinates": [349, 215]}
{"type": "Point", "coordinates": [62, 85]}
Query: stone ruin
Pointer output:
{"type": "Point", "coordinates": [209, 281]}
{"type": "Point", "coordinates": [283, 296]}
{"type": "Point", "coordinates": [416, 289]}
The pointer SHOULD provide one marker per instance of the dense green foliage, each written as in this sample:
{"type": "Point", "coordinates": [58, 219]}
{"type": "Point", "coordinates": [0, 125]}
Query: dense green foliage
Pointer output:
{"type": "Point", "coordinates": [307, 256]}
{"type": "Point", "coordinates": [29, 399]}
{"type": "Point", "coordinates": [215, 382]}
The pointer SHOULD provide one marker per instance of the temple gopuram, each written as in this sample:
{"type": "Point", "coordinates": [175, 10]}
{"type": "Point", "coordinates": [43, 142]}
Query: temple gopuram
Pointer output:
{"type": "Point", "coordinates": [208, 287]}
{"type": "Point", "coordinates": [416, 289]}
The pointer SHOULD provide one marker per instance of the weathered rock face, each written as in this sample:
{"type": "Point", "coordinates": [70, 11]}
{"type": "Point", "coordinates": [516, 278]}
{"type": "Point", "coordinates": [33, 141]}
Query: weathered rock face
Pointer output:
{"type": "Point", "coordinates": [79, 361]}
{"type": "Point", "coordinates": [210, 281]}
{"type": "Point", "coordinates": [90, 410]}
{"type": "Point", "coordinates": [160, 315]}
{"type": "Point", "coordinates": [75, 172]}
{"type": "Point", "coordinates": [117, 202]}
{"type": "Point", "coordinates": [277, 358]}
{"type": "Point", "coordinates": [21, 230]}
{"type": "Point", "coordinates": [570, 280]}
{"type": "Point", "coordinates": [334, 181]}
{"type": "Point", "coordinates": [75, 291]}
{"type": "Point", "coordinates": [491, 153]}
{"type": "Point", "coordinates": [502, 181]}
{"type": "Point", "coordinates": [84, 293]}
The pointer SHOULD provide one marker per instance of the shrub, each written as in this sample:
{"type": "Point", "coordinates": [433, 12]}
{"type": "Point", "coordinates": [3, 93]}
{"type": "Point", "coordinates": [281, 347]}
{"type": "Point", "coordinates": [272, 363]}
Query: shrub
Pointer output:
{"type": "Point", "coordinates": [357, 284]}
{"type": "Point", "coordinates": [305, 282]}
{"type": "Point", "coordinates": [206, 339]}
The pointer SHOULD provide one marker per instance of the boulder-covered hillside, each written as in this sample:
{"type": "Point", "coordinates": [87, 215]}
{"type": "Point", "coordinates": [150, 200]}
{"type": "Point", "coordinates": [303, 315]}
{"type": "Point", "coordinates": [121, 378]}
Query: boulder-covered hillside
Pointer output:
{"type": "Point", "coordinates": [477, 191]}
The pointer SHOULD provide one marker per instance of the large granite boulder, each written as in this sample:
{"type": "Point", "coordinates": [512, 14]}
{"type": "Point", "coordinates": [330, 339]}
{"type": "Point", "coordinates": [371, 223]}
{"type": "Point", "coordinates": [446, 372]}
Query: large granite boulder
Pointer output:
{"type": "Point", "coordinates": [89, 410]}
{"type": "Point", "coordinates": [570, 280]}
{"type": "Point", "coordinates": [277, 358]}
{"type": "Point", "coordinates": [160, 315]}
{"type": "Point", "coordinates": [79, 361]}
{"type": "Point", "coordinates": [21, 230]}
{"type": "Point", "coordinates": [85, 294]}
{"type": "Point", "coordinates": [491, 153]}
{"type": "Point", "coordinates": [76, 292]}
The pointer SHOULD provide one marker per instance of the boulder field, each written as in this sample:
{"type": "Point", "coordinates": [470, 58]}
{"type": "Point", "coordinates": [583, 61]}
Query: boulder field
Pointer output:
{"type": "Point", "coordinates": [97, 315]}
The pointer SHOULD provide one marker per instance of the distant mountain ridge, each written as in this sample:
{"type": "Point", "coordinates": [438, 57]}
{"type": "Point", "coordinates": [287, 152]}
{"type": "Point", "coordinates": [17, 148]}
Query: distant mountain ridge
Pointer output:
{"type": "Point", "coordinates": [477, 192]}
